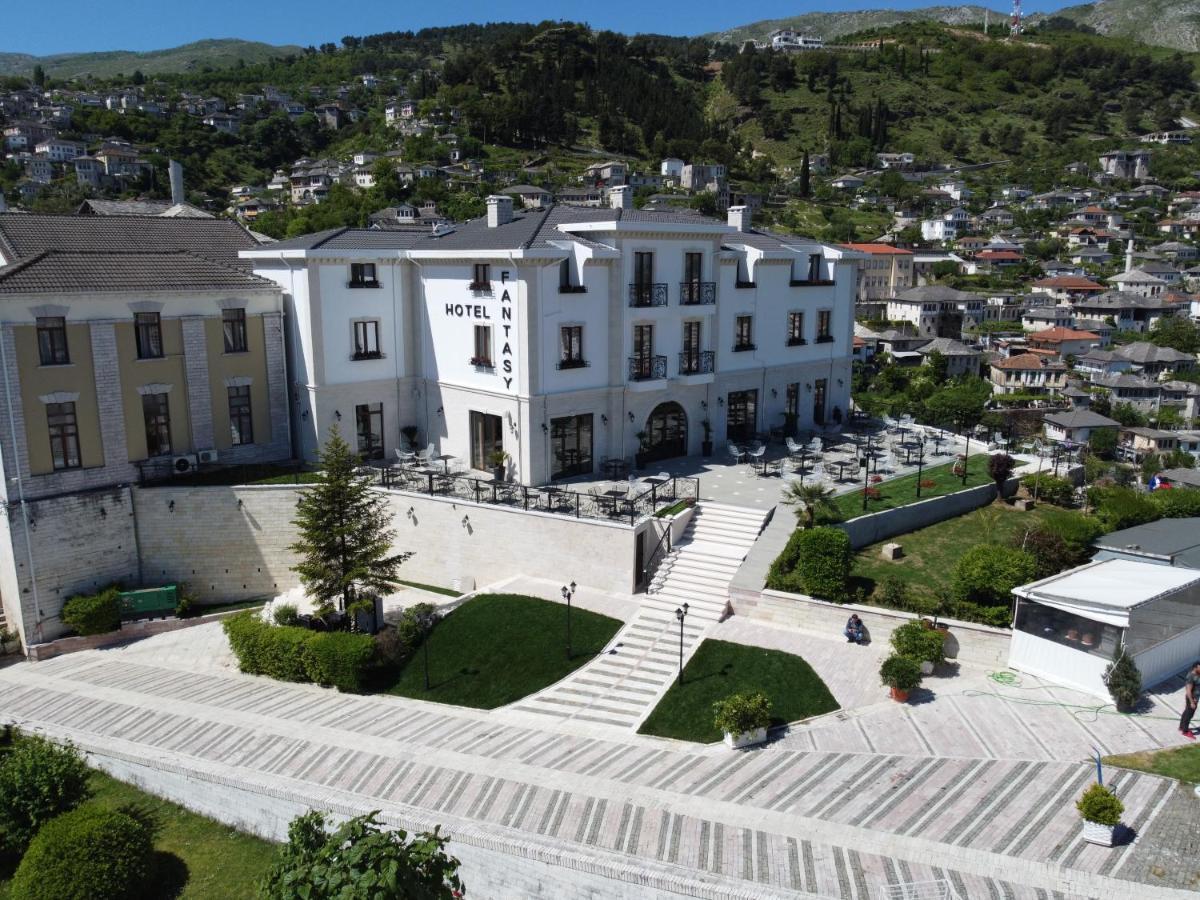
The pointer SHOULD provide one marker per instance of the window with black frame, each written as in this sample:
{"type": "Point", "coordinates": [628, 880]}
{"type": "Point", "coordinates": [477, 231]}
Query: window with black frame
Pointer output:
{"type": "Point", "coordinates": [368, 418]}
{"type": "Point", "coordinates": [64, 435]}
{"type": "Point", "coordinates": [233, 326]}
{"type": "Point", "coordinates": [241, 423]}
{"type": "Point", "coordinates": [363, 275]}
{"type": "Point", "coordinates": [366, 339]}
{"type": "Point", "coordinates": [156, 411]}
{"type": "Point", "coordinates": [52, 341]}
{"type": "Point", "coordinates": [743, 333]}
{"type": "Point", "coordinates": [571, 350]}
{"type": "Point", "coordinates": [795, 328]}
{"type": "Point", "coordinates": [148, 334]}
{"type": "Point", "coordinates": [1069, 629]}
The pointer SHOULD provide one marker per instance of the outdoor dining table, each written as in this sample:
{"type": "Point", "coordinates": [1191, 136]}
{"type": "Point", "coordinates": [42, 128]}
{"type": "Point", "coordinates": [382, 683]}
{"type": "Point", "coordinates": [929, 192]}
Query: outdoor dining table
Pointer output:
{"type": "Point", "coordinates": [612, 498]}
{"type": "Point", "coordinates": [444, 459]}
{"type": "Point", "coordinates": [614, 467]}
{"type": "Point", "coordinates": [770, 467]}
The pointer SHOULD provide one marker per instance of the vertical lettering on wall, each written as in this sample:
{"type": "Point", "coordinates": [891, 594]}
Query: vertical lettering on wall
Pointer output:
{"type": "Point", "coordinates": [506, 354]}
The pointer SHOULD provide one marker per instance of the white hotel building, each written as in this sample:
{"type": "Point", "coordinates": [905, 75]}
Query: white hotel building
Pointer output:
{"type": "Point", "coordinates": [559, 335]}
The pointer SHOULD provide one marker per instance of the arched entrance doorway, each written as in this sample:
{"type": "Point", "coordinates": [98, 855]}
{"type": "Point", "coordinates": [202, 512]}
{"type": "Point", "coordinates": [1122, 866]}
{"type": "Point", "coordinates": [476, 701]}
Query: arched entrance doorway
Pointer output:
{"type": "Point", "coordinates": [666, 432]}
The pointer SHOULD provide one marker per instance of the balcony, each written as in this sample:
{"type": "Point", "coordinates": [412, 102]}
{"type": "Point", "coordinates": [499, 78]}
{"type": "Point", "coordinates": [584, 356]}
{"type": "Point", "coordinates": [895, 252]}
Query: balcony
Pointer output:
{"type": "Point", "coordinates": [647, 368]}
{"type": "Point", "coordinates": [363, 283]}
{"type": "Point", "coordinates": [696, 362]}
{"type": "Point", "coordinates": [742, 348]}
{"type": "Point", "coordinates": [573, 364]}
{"type": "Point", "coordinates": [479, 287]}
{"type": "Point", "coordinates": [641, 295]}
{"type": "Point", "coordinates": [812, 282]}
{"type": "Point", "coordinates": [824, 338]}
{"type": "Point", "coordinates": [572, 289]}
{"type": "Point", "coordinates": [796, 342]}
{"type": "Point", "coordinates": [697, 293]}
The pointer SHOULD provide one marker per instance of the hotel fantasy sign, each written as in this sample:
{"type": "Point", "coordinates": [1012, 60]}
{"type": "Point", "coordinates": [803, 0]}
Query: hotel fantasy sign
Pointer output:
{"type": "Point", "coordinates": [480, 312]}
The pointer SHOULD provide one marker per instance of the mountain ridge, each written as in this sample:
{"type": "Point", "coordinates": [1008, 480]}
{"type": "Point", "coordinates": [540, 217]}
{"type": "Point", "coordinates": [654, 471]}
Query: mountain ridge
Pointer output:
{"type": "Point", "coordinates": [216, 53]}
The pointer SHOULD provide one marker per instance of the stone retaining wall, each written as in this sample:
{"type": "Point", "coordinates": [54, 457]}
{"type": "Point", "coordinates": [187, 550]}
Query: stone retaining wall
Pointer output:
{"type": "Point", "coordinates": [129, 631]}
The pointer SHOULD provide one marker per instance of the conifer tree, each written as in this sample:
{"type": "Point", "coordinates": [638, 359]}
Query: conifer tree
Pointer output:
{"type": "Point", "coordinates": [345, 543]}
{"type": "Point", "coordinates": [805, 176]}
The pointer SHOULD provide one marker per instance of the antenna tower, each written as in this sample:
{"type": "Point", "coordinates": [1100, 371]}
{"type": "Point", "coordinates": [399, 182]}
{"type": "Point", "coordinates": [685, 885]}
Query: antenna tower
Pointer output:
{"type": "Point", "coordinates": [1014, 28]}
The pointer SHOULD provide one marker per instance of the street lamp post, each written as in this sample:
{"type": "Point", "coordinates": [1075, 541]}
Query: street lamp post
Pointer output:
{"type": "Point", "coordinates": [681, 614]}
{"type": "Point", "coordinates": [866, 464]}
{"type": "Point", "coordinates": [568, 593]}
{"type": "Point", "coordinates": [966, 452]}
{"type": "Point", "coordinates": [426, 621]}
{"type": "Point", "coordinates": [920, 466]}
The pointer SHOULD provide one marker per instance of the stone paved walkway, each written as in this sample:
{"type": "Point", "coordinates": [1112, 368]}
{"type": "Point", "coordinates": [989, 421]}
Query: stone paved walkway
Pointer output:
{"type": "Point", "coordinates": [836, 809]}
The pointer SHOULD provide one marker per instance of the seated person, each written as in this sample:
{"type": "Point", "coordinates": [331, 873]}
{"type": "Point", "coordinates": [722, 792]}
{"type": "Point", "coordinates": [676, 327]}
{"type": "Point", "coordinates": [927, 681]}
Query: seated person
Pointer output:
{"type": "Point", "coordinates": [855, 633]}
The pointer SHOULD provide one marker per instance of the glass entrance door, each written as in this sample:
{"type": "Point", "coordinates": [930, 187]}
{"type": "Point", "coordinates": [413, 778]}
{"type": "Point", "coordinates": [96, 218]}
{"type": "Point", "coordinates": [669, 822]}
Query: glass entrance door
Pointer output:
{"type": "Point", "coordinates": [487, 436]}
{"type": "Point", "coordinates": [666, 432]}
{"type": "Point", "coordinates": [819, 392]}
{"type": "Point", "coordinates": [740, 421]}
{"type": "Point", "coordinates": [571, 446]}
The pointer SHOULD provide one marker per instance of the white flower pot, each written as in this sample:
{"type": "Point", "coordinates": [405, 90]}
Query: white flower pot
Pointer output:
{"type": "Point", "coordinates": [1095, 833]}
{"type": "Point", "coordinates": [745, 739]}
{"type": "Point", "coordinates": [926, 668]}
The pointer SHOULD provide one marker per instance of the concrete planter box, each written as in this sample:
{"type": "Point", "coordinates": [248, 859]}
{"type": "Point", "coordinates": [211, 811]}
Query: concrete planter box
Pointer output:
{"type": "Point", "coordinates": [1095, 833]}
{"type": "Point", "coordinates": [745, 739]}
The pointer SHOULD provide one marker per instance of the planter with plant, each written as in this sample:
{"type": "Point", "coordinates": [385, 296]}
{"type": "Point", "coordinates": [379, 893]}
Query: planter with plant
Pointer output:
{"type": "Point", "coordinates": [921, 642]}
{"type": "Point", "coordinates": [410, 433]}
{"type": "Point", "coordinates": [639, 458]}
{"type": "Point", "coordinates": [743, 718]}
{"type": "Point", "coordinates": [6, 637]}
{"type": "Point", "coordinates": [1101, 812]}
{"type": "Point", "coordinates": [498, 459]}
{"type": "Point", "coordinates": [902, 674]}
{"type": "Point", "coordinates": [1124, 681]}
{"type": "Point", "coordinates": [960, 466]}
{"type": "Point", "coordinates": [706, 446]}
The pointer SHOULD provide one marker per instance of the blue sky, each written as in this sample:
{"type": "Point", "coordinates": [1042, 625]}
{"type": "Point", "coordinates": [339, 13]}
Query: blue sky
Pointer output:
{"type": "Point", "coordinates": [72, 25]}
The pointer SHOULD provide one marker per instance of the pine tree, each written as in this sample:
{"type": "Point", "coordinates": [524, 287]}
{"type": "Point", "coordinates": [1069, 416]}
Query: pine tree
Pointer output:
{"type": "Point", "coordinates": [345, 543]}
{"type": "Point", "coordinates": [805, 176]}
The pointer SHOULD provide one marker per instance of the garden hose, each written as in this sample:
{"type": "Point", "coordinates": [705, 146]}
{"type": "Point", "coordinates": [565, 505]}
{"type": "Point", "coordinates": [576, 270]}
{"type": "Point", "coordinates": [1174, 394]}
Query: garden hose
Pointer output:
{"type": "Point", "coordinates": [1012, 680]}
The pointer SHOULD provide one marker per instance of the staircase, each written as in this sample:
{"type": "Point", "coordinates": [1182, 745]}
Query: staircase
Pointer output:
{"type": "Point", "coordinates": [620, 687]}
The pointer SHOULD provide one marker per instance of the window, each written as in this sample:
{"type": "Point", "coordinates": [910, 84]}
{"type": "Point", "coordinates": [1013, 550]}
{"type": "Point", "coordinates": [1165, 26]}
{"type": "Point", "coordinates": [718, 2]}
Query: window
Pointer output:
{"type": "Point", "coordinates": [241, 426]}
{"type": "Point", "coordinates": [824, 326]}
{"type": "Point", "coordinates": [369, 420]}
{"type": "Point", "coordinates": [233, 324]}
{"type": "Point", "coordinates": [148, 332]}
{"type": "Point", "coordinates": [362, 275]}
{"type": "Point", "coordinates": [52, 341]}
{"type": "Point", "coordinates": [366, 340]}
{"type": "Point", "coordinates": [571, 340]}
{"type": "Point", "coordinates": [742, 415]}
{"type": "Point", "coordinates": [157, 415]}
{"type": "Point", "coordinates": [483, 346]}
{"type": "Point", "coordinates": [64, 435]}
{"type": "Point", "coordinates": [571, 446]}
{"type": "Point", "coordinates": [482, 280]}
{"type": "Point", "coordinates": [487, 436]}
{"type": "Point", "coordinates": [692, 266]}
{"type": "Point", "coordinates": [814, 267]}
{"type": "Point", "coordinates": [643, 341]}
{"type": "Point", "coordinates": [1068, 629]}
{"type": "Point", "coordinates": [795, 329]}
{"type": "Point", "coordinates": [743, 336]}
{"type": "Point", "coordinates": [643, 268]}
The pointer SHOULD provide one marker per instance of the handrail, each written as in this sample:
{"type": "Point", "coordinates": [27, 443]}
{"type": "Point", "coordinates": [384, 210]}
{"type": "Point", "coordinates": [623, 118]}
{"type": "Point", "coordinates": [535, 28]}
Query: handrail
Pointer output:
{"type": "Point", "coordinates": [649, 568]}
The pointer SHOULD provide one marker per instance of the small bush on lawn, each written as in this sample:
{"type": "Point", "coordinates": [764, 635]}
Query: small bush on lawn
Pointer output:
{"type": "Point", "coordinates": [395, 645]}
{"type": "Point", "coordinates": [93, 613]}
{"type": "Point", "coordinates": [91, 853]}
{"type": "Point", "coordinates": [987, 573]}
{"type": "Point", "coordinates": [1047, 548]}
{"type": "Point", "coordinates": [914, 640]}
{"type": "Point", "coordinates": [1177, 503]}
{"type": "Point", "coordinates": [1100, 805]}
{"type": "Point", "coordinates": [1122, 507]}
{"type": "Point", "coordinates": [1049, 489]}
{"type": "Point", "coordinates": [739, 713]}
{"type": "Point", "coordinates": [289, 653]}
{"type": "Point", "coordinates": [38, 781]}
{"type": "Point", "coordinates": [816, 561]}
{"type": "Point", "coordinates": [339, 658]}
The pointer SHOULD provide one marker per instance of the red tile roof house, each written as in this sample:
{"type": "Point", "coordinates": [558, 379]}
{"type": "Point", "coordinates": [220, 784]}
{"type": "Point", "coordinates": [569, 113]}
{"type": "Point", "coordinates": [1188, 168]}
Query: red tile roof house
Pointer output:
{"type": "Point", "coordinates": [1067, 287]}
{"type": "Point", "coordinates": [1065, 341]}
{"type": "Point", "coordinates": [1028, 373]}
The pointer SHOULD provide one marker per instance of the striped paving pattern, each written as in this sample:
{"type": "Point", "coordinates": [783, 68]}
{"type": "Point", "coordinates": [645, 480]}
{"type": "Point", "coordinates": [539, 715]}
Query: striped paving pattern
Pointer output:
{"type": "Point", "coordinates": [621, 687]}
{"type": "Point", "coordinates": [836, 824]}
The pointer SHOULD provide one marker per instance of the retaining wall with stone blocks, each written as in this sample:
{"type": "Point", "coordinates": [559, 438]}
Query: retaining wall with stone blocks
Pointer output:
{"type": "Point", "coordinates": [978, 645]}
{"type": "Point", "coordinates": [129, 631]}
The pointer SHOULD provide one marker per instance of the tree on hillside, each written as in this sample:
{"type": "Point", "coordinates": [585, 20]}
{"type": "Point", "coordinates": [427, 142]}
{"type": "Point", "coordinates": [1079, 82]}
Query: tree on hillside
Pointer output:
{"type": "Point", "coordinates": [1176, 332]}
{"type": "Point", "coordinates": [805, 177]}
{"type": "Point", "coordinates": [345, 543]}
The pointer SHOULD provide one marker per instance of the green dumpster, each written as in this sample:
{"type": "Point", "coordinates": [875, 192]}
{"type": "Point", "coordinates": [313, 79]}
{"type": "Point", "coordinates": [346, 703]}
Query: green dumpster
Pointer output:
{"type": "Point", "coordinates": [148, 603]}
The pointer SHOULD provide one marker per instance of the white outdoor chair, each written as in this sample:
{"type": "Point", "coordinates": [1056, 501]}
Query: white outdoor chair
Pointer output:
{"type": "Point", "coordinates": [736, 452]}
{"type": "Point", "coordinates": [792, 447]}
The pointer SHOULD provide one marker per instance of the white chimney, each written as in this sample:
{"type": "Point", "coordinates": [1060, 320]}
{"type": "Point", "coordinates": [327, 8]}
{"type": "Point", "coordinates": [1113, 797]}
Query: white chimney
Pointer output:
{"type": "Point", "coordinates": [177, 194]}
{"type": "Point", "coordinates": [500, 210]}
{"type": "Point", "coordinates": [1129, 256]}
{"type": "Point", "coordinates": [620, 197]}
{"type": "Point", "coordinates": [739, 217]}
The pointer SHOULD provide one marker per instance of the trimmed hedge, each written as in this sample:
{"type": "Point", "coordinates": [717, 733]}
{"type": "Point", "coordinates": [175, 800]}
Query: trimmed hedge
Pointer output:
{"type": "Point", "coordinates": [38, 781]}
{"type": "Point", "coordinates": [987, 573]}
{"type": "Point", "coordinates": [816, 561]}
{"type": "Point", "coordinates": [1050, 489]}
{"type": "Point", "coordinates": [91, 853]}
{"type": "Point", "coordinates": [93, 613]}
{"type": "Point", "coordinates": [333, 658]}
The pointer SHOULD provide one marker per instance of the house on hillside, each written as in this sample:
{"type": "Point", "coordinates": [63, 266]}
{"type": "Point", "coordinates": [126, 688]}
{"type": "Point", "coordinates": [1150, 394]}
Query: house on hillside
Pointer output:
{"type": "Point", "coordinates": [1028, 373]}
{"type": "Point", "coordinates": [1076, 425]}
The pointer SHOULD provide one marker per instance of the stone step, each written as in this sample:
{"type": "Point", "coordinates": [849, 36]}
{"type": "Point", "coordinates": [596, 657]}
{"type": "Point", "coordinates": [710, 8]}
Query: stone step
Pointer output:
{"type": "Point", "coordinates": [722, 533]}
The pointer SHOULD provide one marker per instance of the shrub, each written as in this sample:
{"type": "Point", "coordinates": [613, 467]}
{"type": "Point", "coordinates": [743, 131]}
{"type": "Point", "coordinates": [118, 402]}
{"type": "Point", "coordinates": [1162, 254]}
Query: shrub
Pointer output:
{"type": "Point", "coordinates": [900, 672]}
{"type": "Point", "coordinates": [93, 613]}
{"type": "Point", "coordinates": [395, 644]}
{"type": "Point", "coordinates": [38, 781]}
{"type": "Point", "coordinates": [1177, 503]}
{"type": "Point", "coordinates": [1124, 681]}
{"type": "Point", "coordinates": [285, 614]}
{"type": "Point", "coordinates": [816, 561]}
{"type": "Point", "coordinates": [1122, 507]}
{"type": "Point", "coordinates": [1000, 466]}
{"type": "Point", "coordinates": [1100, 805]}
{"type": "Point", "coordinates": [739, 713]}
{"type": "Point", "coordinates": [89, 854]}
{"type": "Point", "coordinates": [1048, 489]}
{"type": "Point", "coordinates": [914, 640]}
{"type": "Point", "coordinates": [1048, 549]}
{"type": "Point", "coordinates": [987, 573]}
{"type": "Point", "coordinates": [894, 593]}
{"type": "Point", "coordinates": [338, 658]}
{"type": "Point", "coordinates": [1077, 530]}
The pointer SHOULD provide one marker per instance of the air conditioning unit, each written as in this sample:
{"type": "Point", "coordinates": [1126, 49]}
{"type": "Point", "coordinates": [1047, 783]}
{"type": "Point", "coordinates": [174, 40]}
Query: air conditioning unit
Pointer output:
{"type": "Point", "coordinates": [184, 464]}
{"type": "Point", "coordinates": [207, 456]}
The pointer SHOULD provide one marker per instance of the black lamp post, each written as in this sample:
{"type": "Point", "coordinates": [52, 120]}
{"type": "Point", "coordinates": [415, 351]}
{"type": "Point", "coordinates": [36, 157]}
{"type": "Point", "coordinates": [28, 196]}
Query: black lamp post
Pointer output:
{"type": "Point", "coordinates": [426, 622]}
{"type": "Point", "coordinates": [866, 464]}
{"type": "Point", "coordinates": [568, 593]}
{"type": "Point", "coordinates": [920, 466]}
{"type": "Point", "coordinates": [681, 614]}
{"type": "Point", "coordinates": [966, 452]}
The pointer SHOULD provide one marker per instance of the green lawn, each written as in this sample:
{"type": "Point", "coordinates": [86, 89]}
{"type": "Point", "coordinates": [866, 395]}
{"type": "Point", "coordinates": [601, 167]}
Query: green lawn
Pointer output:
{"type": "Point", "coordinates": [497, 648]}
{"type": "Point", "coordinates": [931, 553]}
{"type": "Point", "coordinates": [721, 668]}
{"type": "Point", "coordinates": [898, 492]}
{"type": "Point", "coordinates": [208, 609]}
{"type": "Point", "coordinates": [195, 858]}
{"type": "Point", "coordinates": [1182, 763]}
{"type": "Point", "coordinates": [433, 588]}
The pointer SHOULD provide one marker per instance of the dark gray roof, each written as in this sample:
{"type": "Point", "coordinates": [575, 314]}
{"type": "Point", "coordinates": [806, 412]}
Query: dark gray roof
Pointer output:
{"type": "Point", "coordinates": [355, 239]}
{"type": "Point", "coordinates": [1081, 418]}
{"type": "Point", "coordinates": [936, 293]}
{"type": "Point", "coordinates": [141, 208]}
{"type": "Point", "coordinates": [92, 271]}
{"type": "Point", "coordinates": [1145, 352]}
{"type": "Point", "coordinates": [23, 235]}
{"type": "Point", "coordinates": [1124, 380]}
{"type": "Point", "coordinates": [1109, 300]}
{"type": "Point", "coordinates": [947, 347]}
{"type": "Point", "coordinates": [1173, 540]}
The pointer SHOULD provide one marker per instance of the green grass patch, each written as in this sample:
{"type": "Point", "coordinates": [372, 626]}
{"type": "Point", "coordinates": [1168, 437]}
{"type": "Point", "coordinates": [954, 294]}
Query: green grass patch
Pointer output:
{"type": "Point", "coordinates": [676, 507]}
{"type": "Point", "coordinates": [206, 609]}
{"type": "Point", "coordinates": [1182, 763]}
{"type": "Point", "coordinates": [497, 648]}
{"type": "Point", "coordinates": [720, 668]}
{"type": "Point", "coordinates": [449, 592]}
{"type": "Point", "coordinates": [195, 858]}
{"type": "Point", "coordinates": [897, 492]}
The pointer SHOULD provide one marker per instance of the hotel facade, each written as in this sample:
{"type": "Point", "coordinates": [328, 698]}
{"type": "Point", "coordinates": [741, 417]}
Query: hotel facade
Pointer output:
{"type": "Point", "coordinates": [562, 336]}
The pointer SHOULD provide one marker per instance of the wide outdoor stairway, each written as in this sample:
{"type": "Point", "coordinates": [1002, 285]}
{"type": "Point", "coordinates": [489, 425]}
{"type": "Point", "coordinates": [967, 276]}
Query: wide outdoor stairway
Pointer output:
{"type": "Point", "coordinates": [621, 686]}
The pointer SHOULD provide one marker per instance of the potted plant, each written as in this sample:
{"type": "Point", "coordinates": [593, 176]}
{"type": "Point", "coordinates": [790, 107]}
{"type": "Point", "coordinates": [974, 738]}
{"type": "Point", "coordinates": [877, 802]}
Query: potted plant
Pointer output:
{"type": "Point", "coordinates": [706, 448]}
{"type": "Point", "coordinates": [6, 637]}
{"type": "Point", "coordinates": [1101, 812]}
{"type": "Point", "coordinates": [743, 718]}
{"type": "Point", "coordinates": [960, 465]}
{"type": "Point", "coordinates": [410, 434]}
{"type": "Point", "coordinates": [1123, 680]}
{"type": "Point", "coordinates": [639, 458]}
{"type": "Point", "coordinates": [902, 674]}
{"type": "Point", "coordinates": [497, 459]}
{"type": "Point", "coordinates": [919, 640]}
